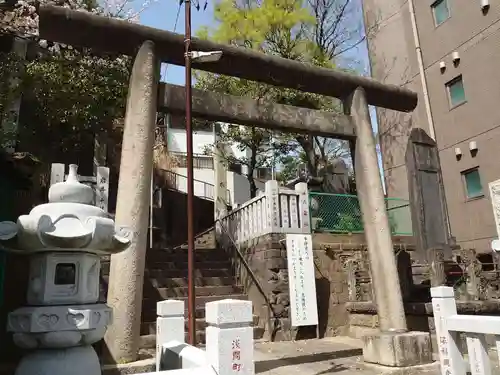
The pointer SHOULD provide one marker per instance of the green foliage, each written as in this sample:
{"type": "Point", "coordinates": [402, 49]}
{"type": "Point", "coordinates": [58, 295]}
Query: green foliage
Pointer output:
{"type": "Point", "coordinates": [349, 223]}
{"type": "Point", "coordinates": [68, 95]}
{"type": "Point", "coordinates": [67, 98]}
{"type": "Point", "coordinates": [289, 167]}
{"type": "Point", "coordinates": [284, 28]}
{"type": "Point", "coordinates": [75, 89]}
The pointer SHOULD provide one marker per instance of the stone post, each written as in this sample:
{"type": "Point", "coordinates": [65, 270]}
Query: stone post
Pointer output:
{"type": "Point", "coordinates": [127, 269]}
{"type": "Point", "coordinates": [377, 230]}
{"type": "Point", "coordinates": [169, 326]}
{"type": "Point", "coordinates": [304, 215]}
{"type": "Point", "coordinates": [473, 268]}
{"type": "Point", "coordinates": [229, 337]}
{"type": "Point", "coordinates": [272, 206]}
{"type": "Point", "coordinates": [437, 275]}
{"type": "Point", "coordinates": [352, 284]}
{"type": "Point", "coordinates": [444, 306]}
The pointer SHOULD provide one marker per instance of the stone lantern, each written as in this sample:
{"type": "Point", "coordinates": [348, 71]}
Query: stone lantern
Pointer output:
{"type": "Point", "coordinates": [64, 240]}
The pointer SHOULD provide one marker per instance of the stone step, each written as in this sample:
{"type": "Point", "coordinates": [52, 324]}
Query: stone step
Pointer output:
{"type": "Point", "coordinates": [149, 341]}
{"type": "Point", "coordinates": [202, 291]}
{"type": "Point", "coordinates": [182, 273]}
{"type": "Point", "coordinates": [149, 328]}
{"type": "Point", "coordinates": [177, 265]}
{"type": "Point", "coordinates": [172, 255]}
{"type": "Point", "coordinates": [179, 282]}
{"type": "Point", "coordinates": [183, 265]}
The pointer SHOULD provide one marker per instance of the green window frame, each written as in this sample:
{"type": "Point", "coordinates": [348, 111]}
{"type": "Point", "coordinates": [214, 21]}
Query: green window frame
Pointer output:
{"type": "Point", "coordinates": [441, 11]}
{"type": "Point", "coordinates": [472, 183]}
{"type": "Point", "coordinates": [456, 92]}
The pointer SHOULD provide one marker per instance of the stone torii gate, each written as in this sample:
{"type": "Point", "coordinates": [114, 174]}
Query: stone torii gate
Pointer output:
{"type": "Point", "coordinates": [394, 346]}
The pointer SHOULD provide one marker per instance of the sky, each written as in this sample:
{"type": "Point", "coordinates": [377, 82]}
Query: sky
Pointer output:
{"type": "Point", "coordinates": [165, 14]}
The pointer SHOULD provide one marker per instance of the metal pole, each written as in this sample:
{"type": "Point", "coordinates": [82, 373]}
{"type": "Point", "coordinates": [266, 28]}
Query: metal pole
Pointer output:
{"type": "Point", "coordinates": [190, 180]}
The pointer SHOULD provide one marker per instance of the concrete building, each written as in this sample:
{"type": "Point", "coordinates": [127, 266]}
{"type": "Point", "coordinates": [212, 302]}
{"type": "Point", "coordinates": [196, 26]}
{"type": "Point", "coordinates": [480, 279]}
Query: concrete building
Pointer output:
{"type": "Point", "coordinates": [203, 164]}
{"type": "Point", "coordinates": [448, 52]}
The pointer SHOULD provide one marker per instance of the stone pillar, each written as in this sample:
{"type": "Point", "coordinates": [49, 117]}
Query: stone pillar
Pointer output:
{"type": "Point", "coordinates": [127, 269]}
{"type": "Point", "coordinates": [229, 337]}
{"type": "Point", "coordinates": [393, 346]}
{"type": "Point", "coordinates": [377, 230]}
{"type": "Point", "coordinates": [169, 326]}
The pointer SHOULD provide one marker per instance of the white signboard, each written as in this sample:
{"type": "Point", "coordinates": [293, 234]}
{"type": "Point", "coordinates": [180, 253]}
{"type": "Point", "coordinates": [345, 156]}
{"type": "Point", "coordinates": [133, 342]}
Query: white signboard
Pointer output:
{"type": "Point", "coordinates": [495, 202]}
{"type": "Point", "coordinates": [303, 305]}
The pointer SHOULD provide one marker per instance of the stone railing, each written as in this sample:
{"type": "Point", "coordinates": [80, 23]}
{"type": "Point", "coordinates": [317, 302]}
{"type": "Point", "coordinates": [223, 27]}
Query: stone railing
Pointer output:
{"type": "Point", "coordinates": [277, 210]}
{"type": "Point", "coordinates": [229, 340]}
{"type": "Point", "coordinates": [449, 326]}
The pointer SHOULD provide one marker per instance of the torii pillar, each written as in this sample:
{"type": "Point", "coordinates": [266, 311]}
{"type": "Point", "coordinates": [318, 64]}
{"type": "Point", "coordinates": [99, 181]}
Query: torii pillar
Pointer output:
{"type": "Point", "coordinates": [394, 346]}
{"type": "Point", "coordinates": [126, 274]}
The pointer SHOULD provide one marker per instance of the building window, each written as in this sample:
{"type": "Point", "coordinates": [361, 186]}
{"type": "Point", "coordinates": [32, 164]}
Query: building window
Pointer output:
{"type": "Point", "coordinates": [472, 181]}
{"type": "Point", "coordinates": [235, 167]}
{"type": "Point", "coordinates": [456, 91]}
{"type": "Point", "coordinates": [441, 11]}
{"type": "Point", "coordinates": [264, 173]}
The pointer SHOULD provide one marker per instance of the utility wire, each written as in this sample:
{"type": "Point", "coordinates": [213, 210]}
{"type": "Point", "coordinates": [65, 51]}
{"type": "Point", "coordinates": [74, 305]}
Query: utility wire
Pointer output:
{"type": "Point", "coordinates": [175, 27]}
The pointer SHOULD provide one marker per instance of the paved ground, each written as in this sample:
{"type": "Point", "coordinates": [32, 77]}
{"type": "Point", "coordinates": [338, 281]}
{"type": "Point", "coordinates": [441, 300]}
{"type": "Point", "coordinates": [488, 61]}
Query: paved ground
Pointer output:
{"type": "Point", "coordinates": [328, 356]}
{"type": "Point", "coordinates": [336, 355]}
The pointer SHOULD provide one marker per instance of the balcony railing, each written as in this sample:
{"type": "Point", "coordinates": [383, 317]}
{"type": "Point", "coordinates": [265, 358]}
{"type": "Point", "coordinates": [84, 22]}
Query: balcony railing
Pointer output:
{"type": "Point", "coordinates": [199, 161]}
{"type": "Point", "coordinates": [202, 189]}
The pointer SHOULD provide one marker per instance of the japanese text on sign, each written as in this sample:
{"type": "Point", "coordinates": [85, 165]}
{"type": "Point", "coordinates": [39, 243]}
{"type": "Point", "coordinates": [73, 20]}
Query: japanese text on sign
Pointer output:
{"type": "Point", "coordinates": [302, 284]}
{"type": "Point", "coordinates": [236, 355]}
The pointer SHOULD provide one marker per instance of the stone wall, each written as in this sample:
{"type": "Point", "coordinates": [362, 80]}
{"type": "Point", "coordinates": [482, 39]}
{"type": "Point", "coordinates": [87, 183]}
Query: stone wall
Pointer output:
{"type": "Point", "coordinates": [266, 257]}
{"type": "Point", "coordinates": [363, 317]}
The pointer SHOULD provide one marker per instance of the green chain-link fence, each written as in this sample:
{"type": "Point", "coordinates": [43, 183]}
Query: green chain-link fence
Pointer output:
{"type": "Point", "coordinates": [341, 213]}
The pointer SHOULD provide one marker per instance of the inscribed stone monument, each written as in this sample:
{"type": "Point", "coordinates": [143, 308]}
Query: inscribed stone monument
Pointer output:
{"type": "Point", "coordinates": [427, 198]}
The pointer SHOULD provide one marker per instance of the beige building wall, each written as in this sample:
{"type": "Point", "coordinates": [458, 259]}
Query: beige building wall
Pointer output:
{"type": "Point", "coordinates": [475, 35]}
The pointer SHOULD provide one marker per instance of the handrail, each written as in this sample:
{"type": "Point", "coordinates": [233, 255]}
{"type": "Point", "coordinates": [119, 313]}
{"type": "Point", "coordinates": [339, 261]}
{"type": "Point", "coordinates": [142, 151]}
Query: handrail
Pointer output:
{"type": "Point", "coordinates": [248, 268]}
{"type": "Point", "coordinates": [206, 184]}
{"type": "Point", "coordinates": [252, 275]}
{"type": "Point", "coordinates": [181, 175]}
{"type": "Point", "coordinates": [244, 205]}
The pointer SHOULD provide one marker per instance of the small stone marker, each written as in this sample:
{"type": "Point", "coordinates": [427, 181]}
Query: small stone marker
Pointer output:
{"type": "Point", "coordinates": [169, 325]}
{"type": "Point", "coordinates": [229, 337]}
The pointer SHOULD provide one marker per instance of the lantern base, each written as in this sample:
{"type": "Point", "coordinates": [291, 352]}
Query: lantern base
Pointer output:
{"type": "Point", "coordinates": [79, 360]}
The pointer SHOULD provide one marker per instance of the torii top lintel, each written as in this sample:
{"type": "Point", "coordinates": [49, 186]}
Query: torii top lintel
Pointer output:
{"type": "Point", "coordinates": [104, 34]}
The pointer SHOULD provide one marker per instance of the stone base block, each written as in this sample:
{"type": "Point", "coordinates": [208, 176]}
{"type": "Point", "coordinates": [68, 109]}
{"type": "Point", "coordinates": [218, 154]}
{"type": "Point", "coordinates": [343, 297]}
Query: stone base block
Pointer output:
{"type": "Point", "coordinates": [398, 349]}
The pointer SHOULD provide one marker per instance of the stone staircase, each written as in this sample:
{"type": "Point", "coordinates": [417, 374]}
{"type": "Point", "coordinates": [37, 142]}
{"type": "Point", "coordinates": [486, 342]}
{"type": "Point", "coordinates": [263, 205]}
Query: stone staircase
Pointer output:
{"type": "Point", "coordinates": [166, 278]}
